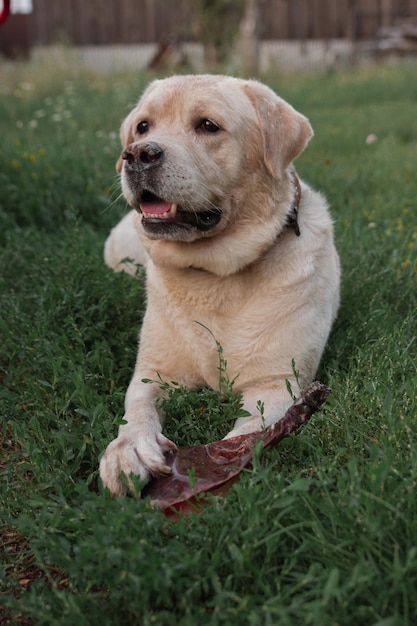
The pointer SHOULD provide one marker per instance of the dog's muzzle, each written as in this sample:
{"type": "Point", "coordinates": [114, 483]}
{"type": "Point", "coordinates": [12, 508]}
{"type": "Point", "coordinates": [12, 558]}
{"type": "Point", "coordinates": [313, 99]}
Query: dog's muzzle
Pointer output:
{"type": "Point", "coordinates": [161, 217]}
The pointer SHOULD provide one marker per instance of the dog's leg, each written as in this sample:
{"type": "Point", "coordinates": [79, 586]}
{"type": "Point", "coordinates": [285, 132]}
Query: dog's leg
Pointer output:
{"type": "Point", "coordinates": [266, 406]}
{"type": "Point", "coordinates": [140, 445]}
{"type": "Point", "coordinates": [123, 249]}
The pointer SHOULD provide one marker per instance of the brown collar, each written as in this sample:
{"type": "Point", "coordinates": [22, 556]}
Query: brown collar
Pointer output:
{"type": "Point", "coordinates": [292, 217]}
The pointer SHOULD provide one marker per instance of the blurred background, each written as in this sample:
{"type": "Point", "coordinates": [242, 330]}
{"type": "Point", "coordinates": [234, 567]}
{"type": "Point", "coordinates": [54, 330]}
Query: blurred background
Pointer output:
{"type": "Point", "coordinates": [246, 36]}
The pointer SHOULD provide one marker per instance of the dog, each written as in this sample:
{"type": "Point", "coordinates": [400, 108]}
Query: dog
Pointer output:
{"type": "Point", "coordinates": [236, 247]}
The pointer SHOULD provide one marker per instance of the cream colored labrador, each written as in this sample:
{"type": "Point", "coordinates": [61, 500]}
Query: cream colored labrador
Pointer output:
{"type": "Point", "coordinates": [235, 247]}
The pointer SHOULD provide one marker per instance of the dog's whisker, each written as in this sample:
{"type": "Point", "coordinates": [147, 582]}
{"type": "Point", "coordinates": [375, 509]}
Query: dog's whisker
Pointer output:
{"type": "Point", "coordinates": [200, 201]}
{"type": "Point", "coordinates": [114, 201]}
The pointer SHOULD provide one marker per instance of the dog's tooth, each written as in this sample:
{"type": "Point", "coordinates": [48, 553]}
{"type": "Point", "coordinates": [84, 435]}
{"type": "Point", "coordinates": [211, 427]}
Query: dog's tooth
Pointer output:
{"type": "Point", "coordinates": [173, 210]}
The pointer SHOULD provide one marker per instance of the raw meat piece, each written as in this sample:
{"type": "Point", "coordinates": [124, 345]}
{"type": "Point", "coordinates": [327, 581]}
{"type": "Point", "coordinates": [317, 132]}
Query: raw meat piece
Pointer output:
{"type": "Point", "coordinates": [214, 467]}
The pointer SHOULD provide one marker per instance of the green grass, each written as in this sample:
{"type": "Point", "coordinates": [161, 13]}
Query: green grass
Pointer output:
{"type": "Point", "coordinates": [323, 529]}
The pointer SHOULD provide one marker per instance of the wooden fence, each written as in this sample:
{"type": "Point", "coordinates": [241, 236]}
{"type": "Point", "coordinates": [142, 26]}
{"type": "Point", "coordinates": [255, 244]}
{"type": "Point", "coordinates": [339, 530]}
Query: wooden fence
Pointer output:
{"type": "Point", "coordinates": [81, 22]}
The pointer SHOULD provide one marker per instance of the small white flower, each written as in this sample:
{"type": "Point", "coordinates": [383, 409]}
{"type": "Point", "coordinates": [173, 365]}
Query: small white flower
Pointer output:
{"type": "Point", "coordinates": [371, 139]}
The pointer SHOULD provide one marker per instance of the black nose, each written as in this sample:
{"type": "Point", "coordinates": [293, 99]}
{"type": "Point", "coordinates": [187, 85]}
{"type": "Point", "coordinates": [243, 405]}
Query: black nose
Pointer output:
{"type": "Point", "coordinates": [145, 153]}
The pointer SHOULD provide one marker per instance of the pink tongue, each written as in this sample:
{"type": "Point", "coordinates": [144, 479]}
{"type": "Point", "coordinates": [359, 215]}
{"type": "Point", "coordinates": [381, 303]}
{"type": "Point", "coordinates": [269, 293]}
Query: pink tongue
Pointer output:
{"type": "Point", "coordinates": [155, 207]}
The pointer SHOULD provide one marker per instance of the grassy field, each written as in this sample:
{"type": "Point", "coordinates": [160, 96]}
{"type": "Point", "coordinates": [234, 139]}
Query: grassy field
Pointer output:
{"type": "Point", "coordinates": [323, 529]}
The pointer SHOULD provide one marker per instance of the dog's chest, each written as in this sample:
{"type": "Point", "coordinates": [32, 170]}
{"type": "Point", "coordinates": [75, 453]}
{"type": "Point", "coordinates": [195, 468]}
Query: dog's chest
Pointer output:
{"type": "Point", "coordinates": [191, 292]}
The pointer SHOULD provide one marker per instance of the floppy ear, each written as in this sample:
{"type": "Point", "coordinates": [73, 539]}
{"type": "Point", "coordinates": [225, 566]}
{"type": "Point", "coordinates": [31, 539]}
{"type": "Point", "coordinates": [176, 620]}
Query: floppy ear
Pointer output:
{"type": "Point", "coordinates": [126, 137]}
{"type": "Point", "coordinates": [285, 131]}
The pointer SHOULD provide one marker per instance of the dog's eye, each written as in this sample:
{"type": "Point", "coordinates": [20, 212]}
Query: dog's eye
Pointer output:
{"type": "Point", "coordinates": [208, 126]}
{"type": "Point", "coordinates": [142, 127]}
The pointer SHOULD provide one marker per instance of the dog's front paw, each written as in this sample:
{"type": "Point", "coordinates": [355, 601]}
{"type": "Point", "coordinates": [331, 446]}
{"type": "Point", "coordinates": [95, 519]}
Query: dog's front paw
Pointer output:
{"type": "Point", "coordinates": [133, 453]}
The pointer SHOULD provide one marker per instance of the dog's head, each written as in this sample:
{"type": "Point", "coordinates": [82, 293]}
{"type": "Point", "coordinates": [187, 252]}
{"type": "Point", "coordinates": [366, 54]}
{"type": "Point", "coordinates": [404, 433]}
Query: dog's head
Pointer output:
{"type": "Point", "coordinates": [203, 154]}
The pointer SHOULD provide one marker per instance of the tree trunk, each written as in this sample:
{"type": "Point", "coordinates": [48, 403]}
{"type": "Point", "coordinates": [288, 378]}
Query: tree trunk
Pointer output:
{"type": "Point", "coordinates": [249, 39]}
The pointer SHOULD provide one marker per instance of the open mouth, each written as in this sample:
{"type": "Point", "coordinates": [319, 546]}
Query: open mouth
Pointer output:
{"type": "Point", "coordinates": [160, 216]}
